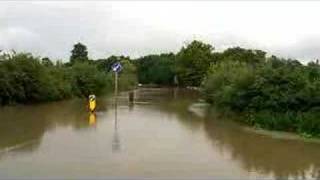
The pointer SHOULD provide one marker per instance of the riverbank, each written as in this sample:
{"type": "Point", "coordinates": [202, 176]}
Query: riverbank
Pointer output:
{"type": "Point", "coordinates": [205, 110]}
{"type": "Point", "coordinates": [273, 94]}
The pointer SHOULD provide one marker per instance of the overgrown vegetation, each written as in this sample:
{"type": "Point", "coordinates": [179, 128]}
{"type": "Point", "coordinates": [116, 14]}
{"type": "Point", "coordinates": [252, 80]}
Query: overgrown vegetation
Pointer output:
{"type": "Point", "coordinates": [192, 63]}
{"type": "Point", "coordinates": [156, 69]}
{"type": "Point", "coordinates": [28, 79]}
{"type": "Point", "coordinates": [274, 93]}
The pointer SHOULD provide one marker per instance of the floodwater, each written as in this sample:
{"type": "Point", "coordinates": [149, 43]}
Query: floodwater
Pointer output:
{"type": "Point", "coordinates": [159, 136]}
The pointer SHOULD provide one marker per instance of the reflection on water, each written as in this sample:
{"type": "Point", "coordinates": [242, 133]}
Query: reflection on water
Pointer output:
{"type": "Point", "coordinates": [279, 157]}
{"type": "Point", "coordinates": [92, 119]}
{"type": "Point", "coordinates": [22, 124]}
{"type": "Point", "coordinates": [116, 139]}
{"type": "Point", "coordinates": [156, 136]}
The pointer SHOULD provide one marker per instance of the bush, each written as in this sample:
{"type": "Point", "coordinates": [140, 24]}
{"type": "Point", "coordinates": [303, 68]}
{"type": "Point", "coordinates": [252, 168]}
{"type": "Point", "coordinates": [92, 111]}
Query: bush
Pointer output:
{"type": "Point", "coordinates": [228, 84]}
{"type": "Point", "coordinates": [23, 79]}
{"type": "Point", "coordinates": [27, 79]}
{"type": "Point", "coordinates": [276, 94]}
{"type": "Point", "coordinates": [128, 75]}
{"type": "Point", "coordinates": [156, 69]}
{"type": "Point", "coordinates": [87, 79]}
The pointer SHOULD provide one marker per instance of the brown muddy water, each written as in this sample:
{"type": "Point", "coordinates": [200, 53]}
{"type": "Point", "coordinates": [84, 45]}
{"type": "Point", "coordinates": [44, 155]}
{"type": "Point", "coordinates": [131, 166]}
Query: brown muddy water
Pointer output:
{"type": "Point", "coordinates": [159, 136]}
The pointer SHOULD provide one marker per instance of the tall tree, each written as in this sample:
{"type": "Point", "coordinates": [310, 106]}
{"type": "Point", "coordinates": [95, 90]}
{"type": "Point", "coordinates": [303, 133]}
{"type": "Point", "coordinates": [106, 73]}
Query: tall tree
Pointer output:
{"type": "Point", "coordinates": [192, 63]}
{"type": "Point", "coordinates": [242, 55]}
{"type": "Point", "coordinates": [156, 69]}
{"type": "Point", "coordinates": [79, 53]}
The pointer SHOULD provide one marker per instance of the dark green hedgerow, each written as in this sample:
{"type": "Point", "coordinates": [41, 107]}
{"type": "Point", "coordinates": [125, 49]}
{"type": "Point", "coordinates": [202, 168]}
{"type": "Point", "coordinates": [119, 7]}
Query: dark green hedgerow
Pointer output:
{"type": "Point", "coordinates": [275, 94]}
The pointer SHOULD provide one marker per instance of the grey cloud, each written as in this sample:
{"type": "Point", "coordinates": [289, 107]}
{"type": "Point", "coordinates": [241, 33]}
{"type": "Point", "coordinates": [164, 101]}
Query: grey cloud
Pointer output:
{"type": "Point", "coordinates": [305, 49]}
{"type": "Point", "coordinates": [51, 29]}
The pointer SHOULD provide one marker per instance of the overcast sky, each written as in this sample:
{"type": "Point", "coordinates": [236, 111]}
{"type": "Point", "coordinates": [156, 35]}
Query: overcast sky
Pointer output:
{"type": "Point", "coordinates": [135, 28]}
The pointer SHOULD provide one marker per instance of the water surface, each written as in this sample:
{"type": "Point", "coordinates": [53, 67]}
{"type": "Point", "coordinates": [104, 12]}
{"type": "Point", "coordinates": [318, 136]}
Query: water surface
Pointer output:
{"type": "Point", "coordinates": [157, 136]}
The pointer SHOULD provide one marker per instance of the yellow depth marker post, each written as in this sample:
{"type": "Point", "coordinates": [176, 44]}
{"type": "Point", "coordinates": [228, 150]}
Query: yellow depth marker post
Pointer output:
{"type": "Point", "coordinates": [92, 103]}
{"type": "Point", "coordinates": [92, 118]}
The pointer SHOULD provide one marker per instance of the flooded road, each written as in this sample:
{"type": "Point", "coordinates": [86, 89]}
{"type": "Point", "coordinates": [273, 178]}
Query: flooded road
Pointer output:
{"type": "Point", "coordinates": [158, 136]}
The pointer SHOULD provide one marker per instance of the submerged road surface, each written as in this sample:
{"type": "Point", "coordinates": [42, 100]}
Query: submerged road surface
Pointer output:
{"type": "Point", "coordinates": [156, 137]}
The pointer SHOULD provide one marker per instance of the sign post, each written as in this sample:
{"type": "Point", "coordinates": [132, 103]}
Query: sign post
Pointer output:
{"type": "Point", "coordinates": [116, 68]}
{"type": "Point", "coordinates": [115, 84]}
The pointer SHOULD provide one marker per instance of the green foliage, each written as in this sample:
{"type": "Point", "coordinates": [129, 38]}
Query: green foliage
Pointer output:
{"type": "Point", "coordinates": [128, 75]}
{"type": "Point", "coordinates": [192, 63]}
{"type": "Point", "coordinates": [24, 78]}
{"type": "Point", "coordinates": [61, 78]}
{"type": "Point", "coordinates": [305, 123]}
{"type": "Point", "coordinates": [241, 55]}
{"type": "Point", "coordinates": [156, 69]}
{"type": "Point", "coordinates": [79, 53]}
{"type": "Point", "coordinates": [87, 79]}
{"type": "Point", "coordinates": [276, 93]}
{"type": "Point", "coordinates": [227, 84]}
{"type": "Point", "coordinates": [105, 64]}
{"type": "Point", "coordinates": [46, 62]}
{"type": "Point", "coordinates": [27, 79]}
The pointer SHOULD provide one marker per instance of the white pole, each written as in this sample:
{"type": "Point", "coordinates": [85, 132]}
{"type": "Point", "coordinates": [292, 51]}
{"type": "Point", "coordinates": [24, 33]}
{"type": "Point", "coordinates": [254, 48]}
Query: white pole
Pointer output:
{"type": "Point", "coordinates": [116, 84]}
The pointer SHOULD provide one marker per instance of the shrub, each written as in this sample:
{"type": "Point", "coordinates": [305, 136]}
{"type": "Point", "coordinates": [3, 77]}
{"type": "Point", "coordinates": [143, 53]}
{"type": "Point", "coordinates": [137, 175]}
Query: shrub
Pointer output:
{"type": "Point", "coordinates": [276, 94]}
{"type": "Point", "coordinates": [87, 79]}
{"type": "Point", "coordinates": [27, 79]}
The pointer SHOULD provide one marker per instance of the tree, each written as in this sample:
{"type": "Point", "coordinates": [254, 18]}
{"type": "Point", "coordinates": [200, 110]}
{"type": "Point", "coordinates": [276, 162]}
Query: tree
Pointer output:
{"type": "Point", "coordinates": [156, 69]}
{"type": "Point", "coordinates": [192, 63]}
{"type": "Point", "coordinates": [87, 79]}
{"type": "Point", "coordinates": [46, 62]}
{"type": "Point", "coordinates": [127, 76]}
{"type": "Point", "coordinates": [105, 64]}
{"type": "Point", "coordinates": [79, 53]}
{"type": "Point", "coordinates": [242, 55]}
